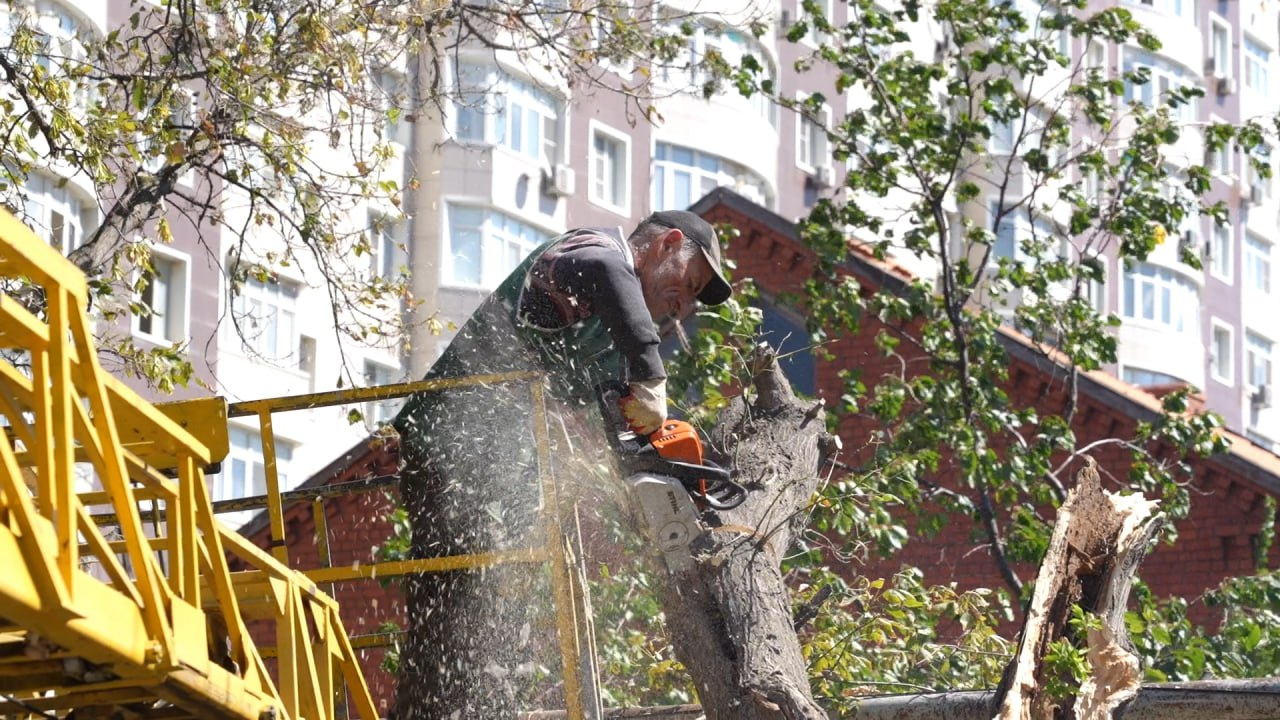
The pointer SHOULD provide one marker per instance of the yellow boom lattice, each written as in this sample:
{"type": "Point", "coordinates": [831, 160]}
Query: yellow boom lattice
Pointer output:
{"type": "Point", "coordinates": [111, 617]}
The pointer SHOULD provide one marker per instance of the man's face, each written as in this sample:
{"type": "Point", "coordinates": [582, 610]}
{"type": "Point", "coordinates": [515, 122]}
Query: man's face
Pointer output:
{"type": "Point", "coordinates": [671, 282]}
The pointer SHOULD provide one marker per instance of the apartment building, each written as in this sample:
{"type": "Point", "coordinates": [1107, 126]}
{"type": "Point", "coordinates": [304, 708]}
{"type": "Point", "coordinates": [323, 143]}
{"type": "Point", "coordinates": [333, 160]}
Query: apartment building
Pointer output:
{"type": "Point", "coordinates": [519, 156]}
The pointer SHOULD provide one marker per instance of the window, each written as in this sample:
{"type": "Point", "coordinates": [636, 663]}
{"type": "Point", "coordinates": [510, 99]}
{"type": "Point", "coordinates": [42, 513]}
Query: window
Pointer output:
{"type": "Point", "coordinates": [1259, 183]}
{"type": "Point", "coordinates": [811, 140]}
{"type": "Point", "coordinates": [1220, 252]}
{"type": "Point", "coordinates": [1221, 361]}
{"type": "Point", "coordinates": [1147, 378]}
{"type": "Point", "coordinates": [494, 108]}
{"type": "Point", "coordinates": [1023, 132]}
{"type": "Point", "coordinates": [1219, 47]}
{"type": "Point", "coordinates": [1163, 297]}
{"type": "Point", "coordinates": [1018, 238]}
{"type": "Point", "coordinates": [1096, 56]}
{"type": "Point", "coordinates": [1185, 9]}
{"type": "Point", "coordinates": [1257, 361]}
{"type": "Point", "coordinates": [683, 175]}
{"type": "Point", "coordinates": [167, 294]}
{"type": "Point", "coordinates": [1165, 78]}
{"type": "Point", "coordinates": [609, 36]}
{"type": "Point", "coordinates": [57, 32]}
{"type": "Point", "coordinates": [485, 246]}
{"type": "Point", "coordinates": [244, 472]}
{"type": "Point", "coordinates": [390, 97]}
{"type": "Point", "coordinates": [386, 257]}
{"type": "Point", "coordinates": [1036, 13]}
{"type": "Point", "coordinates": [732, 46]}
{"type": "Point", "coordinates": [824, 9]}
{"type": "Point", "coordinates": [610, 169]}
{"type": "Point", "coordinates": [1220, 161]}
{"type": "Point", "coordinates": [1257, 264]}
{"type": "Point", "coordinates": [176, 122]}
{"type": "Point", "coordinates": [1257, 66]}
{"type": "Point", "coordinates": [375, 375]}
{"type": "Point", "coordinates": [60, 215]}
{"type": "Point", "coordinates": [266, 314]}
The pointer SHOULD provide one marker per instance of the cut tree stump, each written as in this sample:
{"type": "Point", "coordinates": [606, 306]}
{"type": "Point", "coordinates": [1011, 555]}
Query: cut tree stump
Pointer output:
{"type": "Point", "coordinates": [729, 616]}
{"type": "Point", "coordinates": [1097, 543]}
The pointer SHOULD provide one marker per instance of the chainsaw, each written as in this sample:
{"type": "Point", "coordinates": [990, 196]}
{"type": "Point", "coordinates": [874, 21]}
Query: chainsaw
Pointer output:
{"type": "Point", "coordinates": [669, 481]}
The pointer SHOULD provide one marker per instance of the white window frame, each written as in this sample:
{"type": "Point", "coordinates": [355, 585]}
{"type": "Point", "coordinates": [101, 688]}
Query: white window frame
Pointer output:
{"type": "Point", "coordinates": [386, 256]}
{"type": "Point", "coordinates": [1221, 162]}
{"type": "Point", "coordinates": [1255, 68]}
{"type": "Point", "coordinates": [1165, 75]}
{"type": "Point", "coordinates": [1095, 56]}
{"type": "Point", "coordinates": [1258, 258]}
{"type": "Point", "coordinates": [1034, 13]}
{"type": "Point", "coordinates": [1185, 9]}
{"type": "Point", "coordinates": [1020, 227]}
{"type": "Point", "coordinates": [813, 37]}
{"type": "Point", "coordinates": [500, 249]}
{"type": "Point", "coordinates": [1266, 154]}
{"type": "Point", "coordinates": [505, 107]}
{"type": "Point", "coordinates": [245, 455]}
{"type": "Point", "coordinates": [602, 28]}
{"type": "Point", "coordinates": [703, 173]}
{"type": "Point", "coordinates": [1255, 345]}
{"type": "Point", "coordinates": [609, 187]}
{"type": "Point", "coordinates": [174, 314]}
{"type": "Point", "coordinates": [1171, 293]}
{"type": "Point", "coordinates": [1222, 66]}
{"type": "Point", "coordinates": [390, 88]}
{"type": "Point", "coordinates": [813, 147]}
{"type": "Point", "coordinates": [282, 297]}
{"type": "Point", "coordinates": [378, 374]}
{"type": "Point", "coordinates": [1221, 257]}
{"type": "Point", "coordinates": [62, 216]}
{"type": "Point", "coordinates": [1222, 369]}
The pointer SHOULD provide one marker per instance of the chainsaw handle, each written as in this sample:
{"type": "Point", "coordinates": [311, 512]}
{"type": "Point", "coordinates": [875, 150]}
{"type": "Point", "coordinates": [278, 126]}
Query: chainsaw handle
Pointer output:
{"type": "Point", "coordinates": [722, 493]}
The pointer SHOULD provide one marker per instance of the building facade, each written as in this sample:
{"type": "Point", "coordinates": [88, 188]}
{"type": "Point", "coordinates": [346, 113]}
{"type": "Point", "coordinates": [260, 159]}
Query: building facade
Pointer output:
{"type": "Point", "coordinates": [518, 156]}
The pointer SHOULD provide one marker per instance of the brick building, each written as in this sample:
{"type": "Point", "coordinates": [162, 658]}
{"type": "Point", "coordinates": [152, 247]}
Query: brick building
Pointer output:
{"type": "Point", "coordinates": [1215, 542]}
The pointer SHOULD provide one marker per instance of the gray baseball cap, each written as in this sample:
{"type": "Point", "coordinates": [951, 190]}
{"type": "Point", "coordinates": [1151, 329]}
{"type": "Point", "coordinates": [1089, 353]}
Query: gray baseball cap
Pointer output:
{"type": "Point", "coordinates": [693, 226]}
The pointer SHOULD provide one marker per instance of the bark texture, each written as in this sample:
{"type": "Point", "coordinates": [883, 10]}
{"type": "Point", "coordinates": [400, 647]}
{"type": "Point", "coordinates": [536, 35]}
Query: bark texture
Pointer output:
{"type": "Point", "coordinates": [1097, 543]}
{"type": "Point", "coordinates": [730, 615]}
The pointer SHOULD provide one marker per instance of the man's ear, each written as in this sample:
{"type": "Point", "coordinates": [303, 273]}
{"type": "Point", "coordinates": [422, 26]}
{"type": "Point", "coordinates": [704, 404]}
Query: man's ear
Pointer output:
{"type": "Point", "coordinates": [673, 239]}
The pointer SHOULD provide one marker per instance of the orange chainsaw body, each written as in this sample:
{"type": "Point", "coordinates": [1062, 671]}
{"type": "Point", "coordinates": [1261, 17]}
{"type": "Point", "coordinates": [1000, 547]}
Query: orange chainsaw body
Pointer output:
{"type": "Point", "coordinates": [677, 440]}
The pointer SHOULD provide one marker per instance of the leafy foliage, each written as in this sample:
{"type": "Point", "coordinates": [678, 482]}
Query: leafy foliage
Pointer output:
{"type": "Point", "coordinates": [272, 134]}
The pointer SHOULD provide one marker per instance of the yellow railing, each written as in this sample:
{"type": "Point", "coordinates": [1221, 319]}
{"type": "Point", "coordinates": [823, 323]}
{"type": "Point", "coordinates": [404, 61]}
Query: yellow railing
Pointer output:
{"type": "Point", "coordinates": [558, 545]}
{"type": "Point", "coordinates": [146, 620]}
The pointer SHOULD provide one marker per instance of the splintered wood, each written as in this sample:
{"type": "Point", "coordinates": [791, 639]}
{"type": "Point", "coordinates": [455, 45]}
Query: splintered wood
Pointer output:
{"type": "Point", "coordinates": [1097, 543]}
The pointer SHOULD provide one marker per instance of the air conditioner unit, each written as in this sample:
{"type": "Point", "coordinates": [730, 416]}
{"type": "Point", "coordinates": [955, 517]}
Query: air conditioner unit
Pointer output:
{"type": "Point", "coordinates": [1227, 86]}
{"type": "Point", "coordinates": [824, 176]}
{"type": "Point", "coordinates": [1255, 195]}
{"type": "Point", "coordinates": [559, 182]}
{"type": "Point", "coordinates": [1260, 397]}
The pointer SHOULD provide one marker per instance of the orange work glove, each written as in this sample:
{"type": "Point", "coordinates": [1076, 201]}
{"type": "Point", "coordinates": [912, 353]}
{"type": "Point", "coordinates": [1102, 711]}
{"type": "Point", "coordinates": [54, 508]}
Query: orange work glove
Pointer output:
{"type": "Point", "coordinates": [645, 409]}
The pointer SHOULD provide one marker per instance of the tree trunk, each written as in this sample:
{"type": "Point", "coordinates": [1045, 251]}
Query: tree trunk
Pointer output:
{"type": "Point", "coordinates": [1097, 543]}
{"type": "Point", "coordinates": [730, 616]}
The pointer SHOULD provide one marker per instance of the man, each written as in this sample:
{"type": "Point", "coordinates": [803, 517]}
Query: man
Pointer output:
{"type": "Point", "coordinates": [583, 308]}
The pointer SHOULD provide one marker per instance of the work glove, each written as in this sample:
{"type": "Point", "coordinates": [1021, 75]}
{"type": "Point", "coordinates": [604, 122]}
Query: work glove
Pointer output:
{"type": "Point", "coordinates": [645, 409]}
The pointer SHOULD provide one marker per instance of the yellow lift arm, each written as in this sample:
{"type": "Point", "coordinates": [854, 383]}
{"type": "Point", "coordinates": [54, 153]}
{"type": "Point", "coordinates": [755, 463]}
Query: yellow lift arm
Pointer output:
{"type": "Point", "coordinates": [146, 624]}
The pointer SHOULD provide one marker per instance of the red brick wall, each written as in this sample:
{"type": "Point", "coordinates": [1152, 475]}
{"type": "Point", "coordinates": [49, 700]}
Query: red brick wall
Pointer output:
{"type": "Point", "coordinates": [357, 524]}
{"type": "Point", "coordinates": [1214, 542]}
